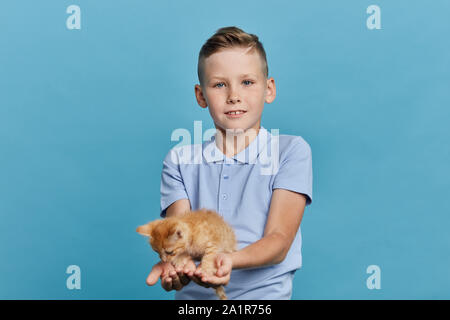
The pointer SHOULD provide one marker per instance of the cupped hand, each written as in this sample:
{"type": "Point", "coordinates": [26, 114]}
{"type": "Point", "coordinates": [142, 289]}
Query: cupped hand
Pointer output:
{"type": "Point", "coordinates": [171, 279]}
{"type": "Point", "coordinates": [224, 266]}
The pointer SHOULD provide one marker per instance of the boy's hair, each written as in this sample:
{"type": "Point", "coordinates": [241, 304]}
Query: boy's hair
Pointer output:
{"type": "Point", "coordinates": [230, 37]}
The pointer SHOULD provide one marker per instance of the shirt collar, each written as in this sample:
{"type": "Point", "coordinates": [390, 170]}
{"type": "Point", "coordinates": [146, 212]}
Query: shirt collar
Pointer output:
{"type": "Point", "coordinates": [249, 155]}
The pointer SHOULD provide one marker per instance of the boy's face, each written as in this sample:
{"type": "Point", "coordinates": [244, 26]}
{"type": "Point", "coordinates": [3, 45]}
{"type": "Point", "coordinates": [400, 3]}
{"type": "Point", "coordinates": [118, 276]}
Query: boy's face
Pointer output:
{"type": "Point", "coordinates": [233, 79]}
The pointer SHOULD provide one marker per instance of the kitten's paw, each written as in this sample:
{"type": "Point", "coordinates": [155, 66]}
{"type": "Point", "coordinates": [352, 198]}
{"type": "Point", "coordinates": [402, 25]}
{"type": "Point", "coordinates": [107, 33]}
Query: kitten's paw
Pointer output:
{"type": "Point", "coordinates": [189, 268]}
{"type": "Point", "coordinates": [179, 263]}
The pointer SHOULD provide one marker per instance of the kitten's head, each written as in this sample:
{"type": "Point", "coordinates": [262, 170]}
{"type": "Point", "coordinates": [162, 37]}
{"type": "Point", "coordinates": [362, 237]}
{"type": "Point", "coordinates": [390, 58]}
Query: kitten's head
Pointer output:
{"type": "Point", "coordinates": [168, 237]}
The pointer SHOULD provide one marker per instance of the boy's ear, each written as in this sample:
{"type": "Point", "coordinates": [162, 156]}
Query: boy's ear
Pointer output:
{"type": "Point", "coordinates": [271, 91]}
{"type": "Point", "coordinates": [200, 97]}
{"type": "Point", "coordinates": [146, 229]}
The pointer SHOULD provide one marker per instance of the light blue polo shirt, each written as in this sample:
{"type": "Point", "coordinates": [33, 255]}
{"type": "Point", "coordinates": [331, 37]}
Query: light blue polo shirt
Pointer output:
{"type": "Point", "coordinates": [240, 189]}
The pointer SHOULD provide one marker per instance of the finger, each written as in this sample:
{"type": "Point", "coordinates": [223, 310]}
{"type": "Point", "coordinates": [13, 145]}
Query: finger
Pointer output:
{"type": "Point", "coordinates": [199, 281]}
{"type": "Point", "coordinates": [179, 269]}
{"type": "Point", "coordinates": [166, 283]}
{"type": "Point", "coordinates": [184, 279]}
{"type": "Point", "coordinates": [198, 272]}
{"type": "Point", "coordinates": [219, 261]}
{"type": "Point", "coordinates": [176, 283]}
{"type": "Point", "coordinates": [206, 279]}
{"type": "Point", "coordinates": [216, 281]}
{"type": "Point", "coordinates": [190, 266]}
{"type": "Point", "coordinates": [189, 273]}
{"type": "Point", "coordinates": [223, 270]}
{"type": "Point", "coordinates": [188, 270]}
{"type": "Point", "coordinates": [172, 273]}
{"type": "Point", "coordinates": [169, 268]}
{"type": "Point", "coordinates": [154, 274]}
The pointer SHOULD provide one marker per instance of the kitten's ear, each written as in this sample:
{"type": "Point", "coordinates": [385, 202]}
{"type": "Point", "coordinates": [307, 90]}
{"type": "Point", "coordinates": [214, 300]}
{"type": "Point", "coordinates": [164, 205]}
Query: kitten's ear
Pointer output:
{"type": "Point", "coordinates": [177, 234]}
{"type": "Point", "coordinates": [146, 229]}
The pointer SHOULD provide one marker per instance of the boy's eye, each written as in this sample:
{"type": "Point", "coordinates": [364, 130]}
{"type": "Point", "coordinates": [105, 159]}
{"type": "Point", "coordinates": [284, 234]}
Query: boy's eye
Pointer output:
{"type": "Point", "coordinates": [245, 82]}
{"type": "Point", "coordinates": [169, 252]}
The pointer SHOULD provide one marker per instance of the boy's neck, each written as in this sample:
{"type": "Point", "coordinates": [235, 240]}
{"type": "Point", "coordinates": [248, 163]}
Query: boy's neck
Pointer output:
{"type": "Point", "coordinates": [232, 143]}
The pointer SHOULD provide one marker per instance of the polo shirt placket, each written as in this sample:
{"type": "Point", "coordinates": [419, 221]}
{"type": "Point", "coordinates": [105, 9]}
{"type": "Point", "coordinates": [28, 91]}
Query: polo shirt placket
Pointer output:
{"type": "Point", "coordinates": [225, 190]}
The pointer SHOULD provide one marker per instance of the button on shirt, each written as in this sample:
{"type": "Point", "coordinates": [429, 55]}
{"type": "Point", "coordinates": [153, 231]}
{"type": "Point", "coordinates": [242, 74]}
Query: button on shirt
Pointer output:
{"type": "Point", "coordinates": [240, 189]}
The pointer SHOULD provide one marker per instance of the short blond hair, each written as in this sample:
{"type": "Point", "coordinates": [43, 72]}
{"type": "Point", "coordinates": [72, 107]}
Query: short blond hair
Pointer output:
{"type": "Point", "coordinates": [230, 37]}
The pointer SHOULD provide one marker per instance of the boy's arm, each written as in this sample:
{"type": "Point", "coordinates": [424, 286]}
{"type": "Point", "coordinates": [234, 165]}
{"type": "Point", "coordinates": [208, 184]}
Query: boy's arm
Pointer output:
{"type": "Point", "coordinates": [285, 215]}
{"type": "Point", "coordinates": [178, 208]}
{"type": "Point", "coordinates": [292, 191]}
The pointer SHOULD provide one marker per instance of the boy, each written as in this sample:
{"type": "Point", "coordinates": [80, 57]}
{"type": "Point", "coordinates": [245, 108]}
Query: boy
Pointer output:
{"type": "Point", "coordinates": [227, 174]}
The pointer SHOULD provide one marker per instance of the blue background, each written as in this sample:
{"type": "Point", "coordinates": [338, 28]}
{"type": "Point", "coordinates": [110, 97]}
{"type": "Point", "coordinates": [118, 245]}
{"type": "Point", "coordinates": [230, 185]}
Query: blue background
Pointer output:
{"type": "Point", "coordinates": [86, 118]}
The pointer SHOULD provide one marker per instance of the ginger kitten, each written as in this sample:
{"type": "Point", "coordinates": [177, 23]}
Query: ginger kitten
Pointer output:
{"type": "Point", "coordinates": [200, 234]}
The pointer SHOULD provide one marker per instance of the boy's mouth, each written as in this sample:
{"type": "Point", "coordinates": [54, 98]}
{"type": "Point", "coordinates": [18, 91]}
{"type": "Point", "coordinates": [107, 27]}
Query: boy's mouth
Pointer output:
{"type": "Point", "coordinates": [235, 114]}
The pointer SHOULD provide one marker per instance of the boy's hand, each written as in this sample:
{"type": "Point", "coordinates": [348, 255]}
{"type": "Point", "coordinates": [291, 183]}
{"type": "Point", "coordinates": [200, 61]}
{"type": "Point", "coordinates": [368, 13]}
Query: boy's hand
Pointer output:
{"type": "Point", "coordinates": [170, 278]}
{"type": "Point", "coordinates": [224, 265]}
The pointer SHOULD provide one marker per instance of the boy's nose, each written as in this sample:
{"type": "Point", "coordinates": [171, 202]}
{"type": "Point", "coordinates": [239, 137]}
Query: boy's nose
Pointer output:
{"type": "Point", "coordinates": [233, 99]}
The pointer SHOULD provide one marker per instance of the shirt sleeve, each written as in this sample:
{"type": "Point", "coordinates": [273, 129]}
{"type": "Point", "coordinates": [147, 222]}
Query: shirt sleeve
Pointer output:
{"type": "Point", "coordinates": [172, 185]}
{"type": "Point", "coordinates": [295, 171]}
